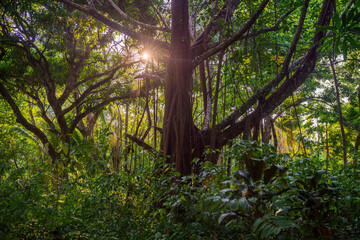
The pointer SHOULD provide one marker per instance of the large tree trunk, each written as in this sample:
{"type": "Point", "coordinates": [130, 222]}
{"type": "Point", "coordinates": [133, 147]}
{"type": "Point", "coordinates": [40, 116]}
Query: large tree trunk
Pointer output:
{"type": "Point", "coordinates": [179, 129]}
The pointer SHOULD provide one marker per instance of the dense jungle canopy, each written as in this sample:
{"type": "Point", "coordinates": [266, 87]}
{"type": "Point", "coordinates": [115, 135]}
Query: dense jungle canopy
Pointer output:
{"type": "Point", "coordinates": [181, 119]}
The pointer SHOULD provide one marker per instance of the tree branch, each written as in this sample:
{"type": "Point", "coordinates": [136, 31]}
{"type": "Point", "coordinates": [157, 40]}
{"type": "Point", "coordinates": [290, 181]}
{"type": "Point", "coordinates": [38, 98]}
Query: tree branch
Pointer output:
{"type": "Point", "coordinates": [226, 12]}
{"type": "Point", "coordinates": [288, 87]}
{"type": "Point", "coordinates": [136, 93]}
{"type": "Point", "coordinates": [234, 38]}
{"type": "Point", "coordinates": [160, 16]}
{"type": "Point", "coordinates": [141, 143]}
{"type": "Point", "coordinates": [262, 92]}
{"type": "Point", "coordinates": [108, 22]}
{"type": "Point", "coordinates": [95, 86]}
{"type": "Point", "coordinates": [144, 25]}
{"type": "Point", "coordinates": [21, 119]}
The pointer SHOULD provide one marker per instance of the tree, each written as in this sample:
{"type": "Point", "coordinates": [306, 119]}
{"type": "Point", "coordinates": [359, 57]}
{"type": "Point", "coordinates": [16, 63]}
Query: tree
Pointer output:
{"type": "Point", "coordinates": [182, 140]}
{"type": "Point", "coordinates": [67, 69]}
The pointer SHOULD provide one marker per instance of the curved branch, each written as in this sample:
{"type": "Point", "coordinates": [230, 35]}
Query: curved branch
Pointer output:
{"type": "Point", "coordinates": [234, 38]}
{"type": "Point", "coordinates": [296, 103]}
{"type": "Point", "coordinates": [144, 25]}
{"type": "Point", "coordinates": [151, 76]}
{"type": "Point", "coordinates": [141, 143]}
{"type": "Point", "coordinates": [265, 90]}
{"type": "Point", "coordinates": [217, 46]}
{"type": "Point", "coordinates": [134, 94]}
{"type": "Point", "coordinates": [159, 14]}
{"type": "Point", "coordinates": [21, 119]}
{"type": "Point", "coordinates": [93, 87]}
{"type": "Point", "coordinates": [288, 87]}
{"type": "Point", "coordinates": [108, 22]}
{"type": "Point", "coordinates": [199, 46]}
{"type": "Point", "coordinates": [103, 73]}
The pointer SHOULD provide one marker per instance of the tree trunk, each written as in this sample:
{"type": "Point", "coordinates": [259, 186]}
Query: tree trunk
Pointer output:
{"type": "Point", "coordinates": [179, 129]}
{"type": "Point", "coordinates": [327, 147]}
{"type": "Point", "coordinates": [267, 130]}
{"type": "Point", "coordinates": [274, 133]}
{"type": "Point", "coordinates": [357, 141]}
{"type": "Point", "coordinates": [339, 109]}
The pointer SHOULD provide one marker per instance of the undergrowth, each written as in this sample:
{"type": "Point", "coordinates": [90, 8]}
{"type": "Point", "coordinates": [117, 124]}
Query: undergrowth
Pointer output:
{"type": "Point", "coordinates": [265, 196]}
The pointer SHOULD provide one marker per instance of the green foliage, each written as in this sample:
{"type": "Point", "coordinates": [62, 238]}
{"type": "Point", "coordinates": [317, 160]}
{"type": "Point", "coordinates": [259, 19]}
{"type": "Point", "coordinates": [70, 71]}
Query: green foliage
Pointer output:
{"type": "Point", "coordinates": [344, 32]}
{"type": "Point", "coordinates": [271, 225]}
{"type": "Point", "coordinates": [258, 193]}
{"type": "Point", "coordinates": [304, 202]}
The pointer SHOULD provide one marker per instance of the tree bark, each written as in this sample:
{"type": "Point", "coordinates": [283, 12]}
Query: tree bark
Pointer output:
{"type": "Point", "coordinates": [179, 130]}
{"type": "Point", "coordinates": [338, 101]}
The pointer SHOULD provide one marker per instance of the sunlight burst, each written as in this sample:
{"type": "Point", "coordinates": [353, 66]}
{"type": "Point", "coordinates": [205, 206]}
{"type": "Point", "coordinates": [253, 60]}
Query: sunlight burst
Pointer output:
{"type": "Point", "coordinates": [145, 56]}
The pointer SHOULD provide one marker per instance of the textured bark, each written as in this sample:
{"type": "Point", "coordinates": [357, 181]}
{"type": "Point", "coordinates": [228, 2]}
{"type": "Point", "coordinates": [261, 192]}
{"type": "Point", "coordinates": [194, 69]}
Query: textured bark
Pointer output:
{"type": "Point", "coordinates": [88, 129]}
{"type": "Point", "coordinates": [274, 133]}
{"type": "Point", "coordinates": [267, 130]}
{"type": "Point", "coordinates": [206, 96]}
{"type": "Point", "coordinates": [179, 129]}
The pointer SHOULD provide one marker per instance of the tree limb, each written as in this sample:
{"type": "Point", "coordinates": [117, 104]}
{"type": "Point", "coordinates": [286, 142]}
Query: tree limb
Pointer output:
{"type": "Point", "coordinates": [21, 119]}
{"type": "Point", "coordinates": [144, 25]}
{"type": "Point", "coordinates": [141, 143]}
{"type": "Point", "coordinates": [289, 86]}
{"type": "Point", "coordinates": [108, 22]}
{"type": "Point", "coordinates": [234, 38]}
{"type": "Point", "coordinates": [93, 87]}
{"type": "Point", "coordinates": [263, 91]}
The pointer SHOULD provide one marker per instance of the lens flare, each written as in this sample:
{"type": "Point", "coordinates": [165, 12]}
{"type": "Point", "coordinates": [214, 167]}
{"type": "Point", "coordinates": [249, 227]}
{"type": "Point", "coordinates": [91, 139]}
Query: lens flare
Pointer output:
{"type": "Point", "coordinates": [145, 56]}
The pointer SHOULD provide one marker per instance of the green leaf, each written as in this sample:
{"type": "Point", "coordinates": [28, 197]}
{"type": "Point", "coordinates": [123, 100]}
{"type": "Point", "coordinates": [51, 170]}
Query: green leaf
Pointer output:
{"type": "Point", "coordinates": [257, 224]}
{"type": "Point", "coordinates": [282, 222]}
{"type": "Point", "coordinates": [355, 30]}
{"type": "Point", "coordinates": [243, 203]}
{"type": "Point", "coordinates": [268, 230]}
{"type": "Point", "coordinates": [354, 44]}
{"type": "Point", "coordinates": [305, 186]}
{"type": "Point", "coordinates": [231, 181]}
{"type": "Point", "coordinates": [337, 20]}
{"type": "Point", "coordinates": [258, 169]}
{"type": "Point", "coordinates": [344, 49]}
{"type": "Point", "coordinates": [243, 175]}
{"type": "Point", "coordinates": [314, 181]}
{"type": "Point", "coordinates": [337, 45]}
{"type": "Point", "coordinates": [271, 225]}
{"type": "Point", "coordinates": [270, 173]}
{"type": "Point", "coordinates": [327, 42]}
{"type": "Point", "coordinates": [357, 4]}
{"type": "Point", "coordinates": [234, 205]}
{"type": "Point", "coordinates": [344, 20]}
{"type": "Point", "coordinates": [324, 28]}
{"type": "Point", "coordinates": [223, 191]}
{"type": "Point", "coordinates": [64, 148]}
{"type": "Point", "coordinates": [226, 215]}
